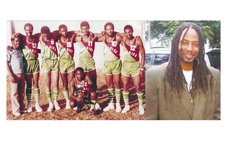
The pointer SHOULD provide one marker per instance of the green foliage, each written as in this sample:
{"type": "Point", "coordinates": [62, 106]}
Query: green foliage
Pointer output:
{"type": "Point", "coordinates": [164, 31]}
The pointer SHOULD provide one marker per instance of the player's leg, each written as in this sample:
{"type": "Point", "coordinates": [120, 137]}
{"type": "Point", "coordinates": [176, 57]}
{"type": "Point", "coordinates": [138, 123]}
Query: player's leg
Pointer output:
{"type": "Point", "coordinates": [137, 85]}
{"type": "Point", "coordinates": [28, 78]}
{"type": "Point", "coordinates": [125, 82]}
{"type": "Point", "coordinates": [36, 91]}
{"type": "Point", "coordinates": [65, 92]}
{"type": "Point", "coordinates": [109, 83]}
{"type": "Point", "coordinates": [117, 86]}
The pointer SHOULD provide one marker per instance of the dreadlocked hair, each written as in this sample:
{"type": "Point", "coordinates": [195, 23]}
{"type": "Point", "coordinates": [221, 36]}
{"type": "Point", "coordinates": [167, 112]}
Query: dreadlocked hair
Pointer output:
{"type": "Point", "coordinates": [174, 75]}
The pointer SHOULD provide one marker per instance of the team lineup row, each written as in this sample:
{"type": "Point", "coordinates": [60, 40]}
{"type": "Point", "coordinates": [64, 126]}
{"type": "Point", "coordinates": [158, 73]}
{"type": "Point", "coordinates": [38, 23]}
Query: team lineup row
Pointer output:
{"type": "Point", "coordinates": [79, 83]}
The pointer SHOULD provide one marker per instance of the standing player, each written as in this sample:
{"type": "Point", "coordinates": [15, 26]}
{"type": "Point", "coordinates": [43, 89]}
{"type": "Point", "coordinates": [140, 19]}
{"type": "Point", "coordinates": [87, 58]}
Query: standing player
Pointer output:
{"type": "Point", "coordinates": [66, 61]}
{"type": "Point", "coordinates": [31, 65]}
{"type": "Point", "coordinates": [132, 66]}
{"type": "Point", "coordinates": [49, 55]}
{"type": "Point", "coordinates": [112, 65]}
{"type": "Point", "coordinates": [86, 42]}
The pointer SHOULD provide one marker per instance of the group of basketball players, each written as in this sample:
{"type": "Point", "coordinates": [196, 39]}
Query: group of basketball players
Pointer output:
{"type": "Point", "coordinates": [80, 91]}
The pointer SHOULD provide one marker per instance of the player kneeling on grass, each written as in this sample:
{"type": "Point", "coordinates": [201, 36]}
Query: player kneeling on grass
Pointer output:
{"type": "Point", "coordinates": [82, 93]}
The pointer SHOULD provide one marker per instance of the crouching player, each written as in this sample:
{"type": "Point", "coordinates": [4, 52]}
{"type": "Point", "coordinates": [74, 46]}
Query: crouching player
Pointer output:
{"type": "Point", "coordinates": [82, 93]}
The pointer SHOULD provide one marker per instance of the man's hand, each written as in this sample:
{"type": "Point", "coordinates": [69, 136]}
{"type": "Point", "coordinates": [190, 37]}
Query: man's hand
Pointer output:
{"type": "Point", "coordinates": [14, 79]}
{"type": "Point", "coordinates": [142, 72]}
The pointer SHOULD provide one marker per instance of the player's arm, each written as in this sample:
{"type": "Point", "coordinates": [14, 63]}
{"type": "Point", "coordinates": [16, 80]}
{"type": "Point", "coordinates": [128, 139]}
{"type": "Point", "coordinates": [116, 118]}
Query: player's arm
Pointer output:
{"type": "Point", "coordinates": [78, 36]}
{"type": "Point", "coordinates": [55, 35]}
{"type": "Point", "coordinates": [124, 37]}
{"type": "Point", "coordinates": [121, 34]}
{"type": "Point", "coordinates": [72, 35]}
{"type": "Point", "coordinates": [100, 36]}
{"type": "Point", "coordinates": [142, 52]}
{"type": "Point", "coordinates": [119, 38]}
{"type": "Point", "coordinates": [37, 36]}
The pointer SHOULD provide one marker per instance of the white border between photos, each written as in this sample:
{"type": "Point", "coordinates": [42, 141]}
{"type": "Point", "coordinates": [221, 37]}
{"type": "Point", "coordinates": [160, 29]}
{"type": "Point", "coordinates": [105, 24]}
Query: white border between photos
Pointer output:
{"type": "Point", "coordinates": [116, 130]}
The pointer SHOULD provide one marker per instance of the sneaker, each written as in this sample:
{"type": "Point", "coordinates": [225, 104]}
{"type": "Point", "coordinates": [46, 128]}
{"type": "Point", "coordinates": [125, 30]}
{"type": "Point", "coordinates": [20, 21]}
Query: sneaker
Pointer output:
{"type": "Point", "coordinates": [56, 105]}
{"type": "Point", "coordinates": [110, 106]}
{"type": "Point", "coordinates": [126, 109]}
{"type": "Point", "coordinates": [97, 106]}
{"type": "Point", "coordinates": [50, 108]}
{"type": "Point", "coordinates": [16, 114]}
{"type": "Point", "coordinates": [38, 108]}
{"type": "Point", "coordinates": [118, 107]}
{"type": "Point", "coordinates": [23, 111]}
{"type": "Point", "coordinates": [75, 108]}
{"type": "Point", "coordinates": [91, 107]}
{"type": "Point", "coordinates": [67, 105]}
{"type": "Point", "coordinates": [29, 108]}
{"type": "Point", "coordinates": [141, 110]}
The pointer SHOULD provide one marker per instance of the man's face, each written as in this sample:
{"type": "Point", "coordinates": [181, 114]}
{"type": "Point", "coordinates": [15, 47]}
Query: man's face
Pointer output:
{"type": "Point", "coordinates": [16, 43]}
{"type": "Point", "coordinates": [85, 30]}
{"type": "Point", "coordinates": [189, 46]}
{"type": "Point", "coordinates": [79, 75]}
{"type": "Point", "coordinates": [28, 31]}
{"type": "Point", "coordinates": [63, 31]}
{"type": "Point", "coordinates": [109, 30]}
{"type": "Point", "coordinates": [44, 36]}
{"type": "Point", "coordinates": [128, 33]}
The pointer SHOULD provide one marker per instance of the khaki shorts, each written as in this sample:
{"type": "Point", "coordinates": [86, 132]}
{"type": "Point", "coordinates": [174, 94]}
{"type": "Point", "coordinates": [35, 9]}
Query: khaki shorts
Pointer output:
{"type": "Point", "coordinates": [112, 67]}
{"type": "Point", "coordinates": [66, 66]}
{"type": "Point", "coordinates": [31, 66]}
{"type": "Point", "coordinates": [130, 68]}
{"type": "Point", "coordinates": [49, 65]}
{"type": "Point", "coordinates": [88, 64]}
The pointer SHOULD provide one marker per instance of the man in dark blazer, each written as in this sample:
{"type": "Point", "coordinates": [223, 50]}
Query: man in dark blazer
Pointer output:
{"type": "Point", "coordinates": [185, 87]}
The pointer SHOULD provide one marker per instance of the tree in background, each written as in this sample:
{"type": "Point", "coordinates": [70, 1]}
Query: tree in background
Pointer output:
{"type": "Point", "coordinates": [164, 30]}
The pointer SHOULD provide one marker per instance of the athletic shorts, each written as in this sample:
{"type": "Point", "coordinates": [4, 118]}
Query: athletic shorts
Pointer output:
{"type": "Point", "coordinates": [88, 64]}
{"type": "Point", "coordinates": [49, 65]}
{"type": "Point", "coordinates": [66, 66]}
{"type": "Point", "coordinates": [130, 68]}
{"type": "Point", "coordinates": [31, 66]}
{"type": "Point", "coordinates": [112, 67]}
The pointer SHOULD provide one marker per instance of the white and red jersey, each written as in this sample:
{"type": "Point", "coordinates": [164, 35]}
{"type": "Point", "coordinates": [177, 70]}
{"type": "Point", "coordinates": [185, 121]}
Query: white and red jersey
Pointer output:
{"type": "Point", "coordinates": [68, 46]}
{"type": "Point", "coordinates": [113, 46]}
{"type": "Point", "coordinates": [51, 45]}
{"type": "Point", "coordinates": [132, 49]}
{"type": "Point", "coordinates": [89, 45]}
{"type": "Point", "coordinates": [30, 49]}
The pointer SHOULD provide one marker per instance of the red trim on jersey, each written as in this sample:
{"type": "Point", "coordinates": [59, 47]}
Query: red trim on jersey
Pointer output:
{"type": "Point", "coordinates": [114, 47]}
{"type": "Point", "coordinates": [68, 46]}
{"type": "Point", "coordinates": [89, 45]}
{"type": "Point", "coordinates": [51, 45]}
{"type": "Point", "coordinates": [133, 50]}
{"type": "Point", "coordinates": [32, 46]}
